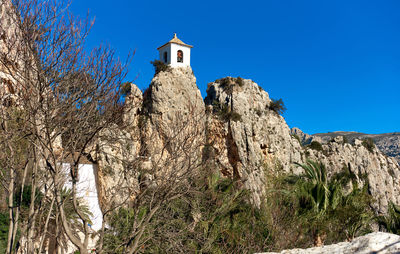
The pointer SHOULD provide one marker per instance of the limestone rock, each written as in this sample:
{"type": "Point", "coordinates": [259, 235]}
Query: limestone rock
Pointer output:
{"type": "Point", "coordinates": [117, 182]}
{"type": "Point", "coordinates": [246, 135]}
{"type": "Point", "coordinates": [379, 242]}
{"type": "Point", "coordinates": [388, 143]}
{"type": "Point", "coordinates": [305, 138]}
{"type": "Point", "coordinates": [173, 118]}
{"type": "Point", "coordinates": [380, 171]}
{"type": "Point", "coordinates": [117, 152]}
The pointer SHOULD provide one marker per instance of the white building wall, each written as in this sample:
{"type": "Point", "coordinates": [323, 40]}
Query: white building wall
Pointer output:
{"type": "Point", "coordinates": [86, 189]}
{"type": "Point", "coordinates": [167, 49]}
{"type": "Point", "coordinates": [172, 52]}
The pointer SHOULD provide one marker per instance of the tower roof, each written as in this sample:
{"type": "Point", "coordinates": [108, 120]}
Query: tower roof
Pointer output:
{"type": "Point", "coordinates": [176, 41]}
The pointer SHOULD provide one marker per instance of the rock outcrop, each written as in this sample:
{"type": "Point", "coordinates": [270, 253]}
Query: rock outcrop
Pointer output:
{"type": "Point", "coordinates": [173, 116]}
{"type": "Point", "coordinates": [343, 151]}
{"type": "Point", "coordinates": [382, 173]}
{"type": "Point", "coordinates": [237, 129]}
{"type": "Point", "coordinates": [246, 134]}
{"type": "Point", "coordinates": [162, 131]}
{"type": "Point", "coordinates": [388, 143]}
{"type": "Point", "coordinates": [379, 242]}
{"type": "Point", "coordinates": [116, 153]}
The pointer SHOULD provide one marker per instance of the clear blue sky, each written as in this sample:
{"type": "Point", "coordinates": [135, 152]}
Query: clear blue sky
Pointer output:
{"type": "Point", "coordinates": [335, 64]}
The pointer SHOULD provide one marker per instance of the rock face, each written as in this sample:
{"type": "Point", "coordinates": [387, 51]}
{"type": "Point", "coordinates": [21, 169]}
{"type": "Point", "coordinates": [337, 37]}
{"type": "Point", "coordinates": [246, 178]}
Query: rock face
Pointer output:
{"type": "Point", "coordinates": [170, 127]}
{"type": "Point", "coordinates": [245, 134]}
{"type": "Point", "coordinates": [342, 151]}
{"type": "Point", "coordinates": [163, 130]}
{"type": "Point", "coordinates": [378, 242]}
{"type": "Point", "coordinates": [173, 115]}
{"type": "Point", "coordinates": [388, 143]}
{"type": "Point", "coordinates": [381, 172]}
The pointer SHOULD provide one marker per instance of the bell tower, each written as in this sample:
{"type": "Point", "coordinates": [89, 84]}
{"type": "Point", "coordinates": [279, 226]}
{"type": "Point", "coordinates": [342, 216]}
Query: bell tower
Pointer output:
{"type": "Point", "coordinates": [175, 53]}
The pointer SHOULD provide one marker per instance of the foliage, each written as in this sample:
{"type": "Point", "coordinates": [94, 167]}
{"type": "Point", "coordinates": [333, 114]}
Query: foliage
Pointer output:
{"type": "Point", "coordinates": [215, 217]}
{"type": "Point", "coordinates": [3, 231]}
{"type": "Point", "coordinates": [315, 187]}
{"type": "Point", "coordinates": [228, 83]}
{"type": "Point", "coordinates": [239, 81]}
{"type": "Point", "coordinates": [26, 197]}
{"type": "Point", "coordinates": [315, 145]}
{"type": "Point", "coordinates": [119, 224]}
{"type": "Point", "coordinates": [160, 66]}
{"type": "Point", "coordinates": [310, 207]}
{"type": "Point", "coordinates": [225, 113]}
{"type": "Point", "coordinates": [391, 222]}
{"type": "Point", "coordinates": [369, 144]}
{"type": "Point", "coordinates": [277, 106]}
{"type": "Point", "coordinates": [125, 89]}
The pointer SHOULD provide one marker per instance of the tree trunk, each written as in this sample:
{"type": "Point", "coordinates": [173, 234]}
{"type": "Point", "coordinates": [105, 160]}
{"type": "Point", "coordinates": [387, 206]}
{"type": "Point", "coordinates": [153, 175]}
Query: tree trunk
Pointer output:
{"type": "Point", "coordinates": [10, 241]}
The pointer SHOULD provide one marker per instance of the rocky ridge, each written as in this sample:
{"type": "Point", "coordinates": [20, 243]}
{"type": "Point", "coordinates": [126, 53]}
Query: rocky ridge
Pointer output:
{"type": "Point", "coordinates": [388, 143]}
{"type": "Point", "coordinates": [235, 129]}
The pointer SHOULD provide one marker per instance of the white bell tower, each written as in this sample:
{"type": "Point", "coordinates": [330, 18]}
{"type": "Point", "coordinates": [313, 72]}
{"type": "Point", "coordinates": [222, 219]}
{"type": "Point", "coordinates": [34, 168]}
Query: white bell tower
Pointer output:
{"type": "Point", "coordinates": [175, 53]}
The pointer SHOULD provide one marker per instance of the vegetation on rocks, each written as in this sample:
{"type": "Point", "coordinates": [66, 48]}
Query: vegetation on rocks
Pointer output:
{"type": "Point", "coordinates": [160, 66]}
{"type": "Point", "coordinates": [216, 217]}
{"type": "Point", "coordinates": [225, 113]}
{"type": "Point", "coordinates": [391, 222]}
{"type": "Point", "coordinates": [315, 145]}
{"type": "Point", "coordinates": [277, 106]}
{"type": "Point", "coordinates": [369, 144]}
{"type": "Point", "coordinates": [310, 210]}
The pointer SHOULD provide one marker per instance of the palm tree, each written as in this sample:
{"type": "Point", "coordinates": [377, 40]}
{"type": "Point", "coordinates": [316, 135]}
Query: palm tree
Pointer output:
{"type": "Point", "coordinates": [316, 187]}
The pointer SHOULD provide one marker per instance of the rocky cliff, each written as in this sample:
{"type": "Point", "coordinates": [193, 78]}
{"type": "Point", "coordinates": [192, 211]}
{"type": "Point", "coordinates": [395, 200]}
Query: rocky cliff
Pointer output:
{"type": "Point", "coordinates": [346, 150]}
{"type": "Point", "coordinates": [237, 130]}
{"type": "Point", "coordinates": [246, 134]}
{"type": "Point", "coordinates": [161, 136]}
{"type": "Point", "coordinates": [388, 143]}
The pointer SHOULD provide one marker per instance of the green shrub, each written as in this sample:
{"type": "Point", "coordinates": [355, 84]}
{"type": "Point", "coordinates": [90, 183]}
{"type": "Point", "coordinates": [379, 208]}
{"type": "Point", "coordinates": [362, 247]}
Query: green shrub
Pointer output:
{"type": "Point", "coordinates": [305, 208]}
{"type": "Point", "coordinates": [277, 106]}
{"type": "Point", "coordinates": [369, 144]}
{"type": "Point", "coordinates": [224, 113]}
{"type": "Point", "coordinates": [228, 83]}
{"type": "Point", "coordinates": [160, 66]}
{"type": "Point", "coordinates": [215, 217]}
{"type": "Point", "coordinates": [315, 145]}
{"type": "Point", "coordinates": [239, 81]}
{"type": "Point", "coordinates": [391, 222]}
{"type": "Point", "coordinates": [4, 222]}
{"type": "Point", "coordinates": [126, 89]}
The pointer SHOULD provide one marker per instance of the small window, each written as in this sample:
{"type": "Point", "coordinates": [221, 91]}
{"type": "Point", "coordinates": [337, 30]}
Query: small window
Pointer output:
{"type": "Point", "coordinates": [180, 56]}
{"type": "Point", "coordinates": [165, 57]}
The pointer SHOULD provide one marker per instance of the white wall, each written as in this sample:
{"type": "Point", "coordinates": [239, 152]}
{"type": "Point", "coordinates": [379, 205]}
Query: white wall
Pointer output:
{"type": "Point", "coordinates": [86, 189]}
{"type": "Point", "coordinates": [172, 51]}
{"type": "Point", "coordinates": [167, 49]}
{"type": "Point", "coordinates": [186, 55]}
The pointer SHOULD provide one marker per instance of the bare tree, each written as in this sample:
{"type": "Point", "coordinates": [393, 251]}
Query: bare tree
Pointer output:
{"type": "Point", "coordinates": [67, 97]}
{"type": "Point", "coordinates": [170, 156]}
